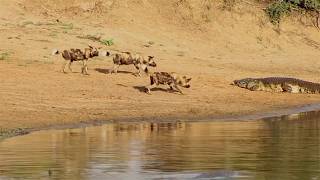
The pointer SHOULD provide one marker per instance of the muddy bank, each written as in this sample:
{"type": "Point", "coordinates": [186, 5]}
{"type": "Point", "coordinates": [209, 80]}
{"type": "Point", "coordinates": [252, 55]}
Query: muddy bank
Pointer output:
{"type": "Point", "coordinates": [274, 114]}
{"type": "Point", "coordinates": [7, 133]}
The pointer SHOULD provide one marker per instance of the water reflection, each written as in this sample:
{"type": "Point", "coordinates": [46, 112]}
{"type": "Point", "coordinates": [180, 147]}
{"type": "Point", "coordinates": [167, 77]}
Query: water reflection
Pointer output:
{"type": "Point", "coordinates": [275, 148]}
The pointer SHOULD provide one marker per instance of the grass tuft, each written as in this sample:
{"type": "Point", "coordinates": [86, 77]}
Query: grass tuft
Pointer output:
{"type": "Point", "coordinates": [4, 56]}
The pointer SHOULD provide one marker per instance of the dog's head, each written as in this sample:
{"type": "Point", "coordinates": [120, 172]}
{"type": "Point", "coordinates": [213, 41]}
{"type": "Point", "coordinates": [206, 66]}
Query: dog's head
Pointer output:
{"type": "Point", "coordinates": [91, 52]}
{"type": "Point", "coordinates": [184, 81]}
{"type": "Point", "coordinates": [150, 61]}
{"type": "Point", "coordinates": [94, 51]}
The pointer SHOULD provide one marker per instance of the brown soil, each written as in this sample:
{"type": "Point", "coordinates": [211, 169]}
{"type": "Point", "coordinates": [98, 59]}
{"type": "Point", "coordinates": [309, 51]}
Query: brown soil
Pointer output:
{"type": "Point", "coordinates": [206, 40]}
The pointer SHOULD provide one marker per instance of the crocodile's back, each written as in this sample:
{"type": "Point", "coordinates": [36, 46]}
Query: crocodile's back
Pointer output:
{"type": "Point", "coordinates": [303, 86]}
{"type": "Point", "coordinates": [279, 84]}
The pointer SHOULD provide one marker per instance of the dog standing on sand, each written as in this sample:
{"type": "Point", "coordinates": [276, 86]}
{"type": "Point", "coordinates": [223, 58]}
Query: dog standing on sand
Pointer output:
{"type": "Point", "coordinates": [173, 80]}
{"type": "Point", "coordinates": [79, 55]}
{"type": "Point", "coordinates": [140, 62]}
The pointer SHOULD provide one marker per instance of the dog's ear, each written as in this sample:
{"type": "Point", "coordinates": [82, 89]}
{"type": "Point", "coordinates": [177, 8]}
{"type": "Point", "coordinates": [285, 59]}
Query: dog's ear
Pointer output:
{"type": "Point", "coordinates": [90, 46]}
{"type": "Point", "coordinates": [151, 57]}
{"type": "Point", "coordinates": [189, 79]}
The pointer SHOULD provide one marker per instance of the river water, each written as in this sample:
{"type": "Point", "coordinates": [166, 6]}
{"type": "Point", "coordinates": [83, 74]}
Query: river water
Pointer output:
{"type": "Point", "coordinates": [286, 147]}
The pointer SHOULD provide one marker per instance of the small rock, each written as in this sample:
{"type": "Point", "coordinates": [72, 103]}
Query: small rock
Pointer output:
{"type": "Point", "coordinates": [151, 42]}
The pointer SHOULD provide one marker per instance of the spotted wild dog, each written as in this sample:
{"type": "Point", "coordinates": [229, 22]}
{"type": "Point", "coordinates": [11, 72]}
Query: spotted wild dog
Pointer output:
{"type": "Point", "coordinates": [173, 80]}
{"type": "Point", "coordinates": [79, 55]}
{"type": "Point", "coordinates": [126, 58]}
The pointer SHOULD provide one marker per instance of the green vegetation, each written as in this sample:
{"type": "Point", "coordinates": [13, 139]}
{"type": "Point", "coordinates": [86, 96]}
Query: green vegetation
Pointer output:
{"type": "Point", "coordinates": [26, 23]}
{"type": "Point", "coordinates": [4, 56]}
{"type": "Point", "coordinates": [67, 26]}
{"type": "Point", "coordinates": [107, 42]}
{"type": "Point", "coordinates": [91, 37]}
{"type": "Point", "coordinates": [280, 8]}
{"type": "Point", "coordinates": [53, 34]}
{"type": "Point", "coordinates": [228, 4]}
{"type": "Point", "coordinates": [97, 38]}
{"type": "Point", "coordinates": [277, 10]}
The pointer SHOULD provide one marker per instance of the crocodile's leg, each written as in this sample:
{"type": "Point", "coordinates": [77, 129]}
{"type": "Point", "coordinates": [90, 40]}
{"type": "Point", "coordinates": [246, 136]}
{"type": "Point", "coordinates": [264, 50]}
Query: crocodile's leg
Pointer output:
{"type": "Point", "coordinates": [292, 88]}
{"type": "Point", "coordinates": [286, 88]}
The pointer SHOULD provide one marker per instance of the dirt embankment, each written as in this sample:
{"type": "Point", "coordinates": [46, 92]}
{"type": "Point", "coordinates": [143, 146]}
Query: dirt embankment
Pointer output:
{"type": "Point", "coordinates": [211, 41]}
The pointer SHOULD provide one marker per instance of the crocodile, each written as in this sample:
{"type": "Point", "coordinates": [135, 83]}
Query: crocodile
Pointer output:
{"type": "Point", "coordinates": [278, 84]}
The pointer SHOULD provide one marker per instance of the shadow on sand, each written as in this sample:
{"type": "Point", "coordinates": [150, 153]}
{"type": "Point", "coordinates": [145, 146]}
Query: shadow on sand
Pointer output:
{"type": "Point", "coordinates": [108, 71]}
{"type": "Point", "coordinates": [144, 89]}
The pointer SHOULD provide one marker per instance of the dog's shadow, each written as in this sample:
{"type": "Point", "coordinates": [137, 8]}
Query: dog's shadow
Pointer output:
{"type": "Point", "coordinates": [108, 71]}
{"type": "Point", "coordinates": [143, 89]}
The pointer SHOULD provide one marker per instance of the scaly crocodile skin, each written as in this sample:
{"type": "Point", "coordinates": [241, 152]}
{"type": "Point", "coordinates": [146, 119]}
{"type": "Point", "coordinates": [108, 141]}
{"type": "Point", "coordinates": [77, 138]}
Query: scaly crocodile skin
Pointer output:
{"type": "Point", "coordinates": [278, 84]}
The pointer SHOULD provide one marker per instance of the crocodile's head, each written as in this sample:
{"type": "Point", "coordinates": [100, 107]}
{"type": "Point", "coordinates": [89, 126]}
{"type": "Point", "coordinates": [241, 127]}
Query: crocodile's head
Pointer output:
{"type": "Point", "coordinates": [244, 83]}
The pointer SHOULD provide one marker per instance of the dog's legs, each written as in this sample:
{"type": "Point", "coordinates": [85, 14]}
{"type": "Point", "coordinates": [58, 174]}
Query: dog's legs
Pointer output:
{"type": "Point", "coordinates": [142, 68]}
{"type": "Point", "coordinates": [170, 87]}
{"type": "Point", "coordinates": [138, 67]}
{"type": "Point", "coordinates": [65, 64]}
{"type": "Point", "coordinates": [153, 84]}
{"type": "Point", "coordinates": [139, 73]}
{"type": "Point", "coordinates": [148, 88]}
{"type": "Point", "coordinates": [82, 68]}
{"type": "Point", "coordinates": [115, 68]}
{"type": "Point", "coordinates": [69, 66]}
{"type": "Point", "coordinates": [175, 86]}
{"type": "Point", "coordinates": [85, 67]}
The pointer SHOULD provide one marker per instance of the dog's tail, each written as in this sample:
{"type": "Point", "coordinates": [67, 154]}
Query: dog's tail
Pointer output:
{"type": "Point", "coordinates": [55, 52]}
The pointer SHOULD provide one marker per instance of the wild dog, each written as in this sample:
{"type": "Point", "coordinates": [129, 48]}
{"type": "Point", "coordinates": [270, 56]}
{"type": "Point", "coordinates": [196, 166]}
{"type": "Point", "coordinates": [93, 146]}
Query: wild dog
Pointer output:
{"type": "Point", "coordinates": [79, 55]}
{"type": "Point", "coordinates": [173, 80]}
{"type": "Point", "coordinates": [126, 58]}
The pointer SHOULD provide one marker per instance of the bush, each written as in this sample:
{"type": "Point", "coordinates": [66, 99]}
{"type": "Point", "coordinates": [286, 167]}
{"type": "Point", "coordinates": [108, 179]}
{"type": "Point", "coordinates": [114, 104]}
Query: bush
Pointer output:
{"type": "Point", "coordinates": [278, 9]}
{"type": "Point", "coordinates": [306, 4]}
{"type": "Point", "coordinates": [4, 56]}
{"type": "Point", "coordinates": [228, 4]}
{"type": "Point", "coordinates": [107, 42]}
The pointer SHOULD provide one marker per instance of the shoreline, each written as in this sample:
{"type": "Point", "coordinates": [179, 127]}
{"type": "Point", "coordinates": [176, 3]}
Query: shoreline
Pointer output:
{"type": "Point", "coordinates": [285, 111]}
